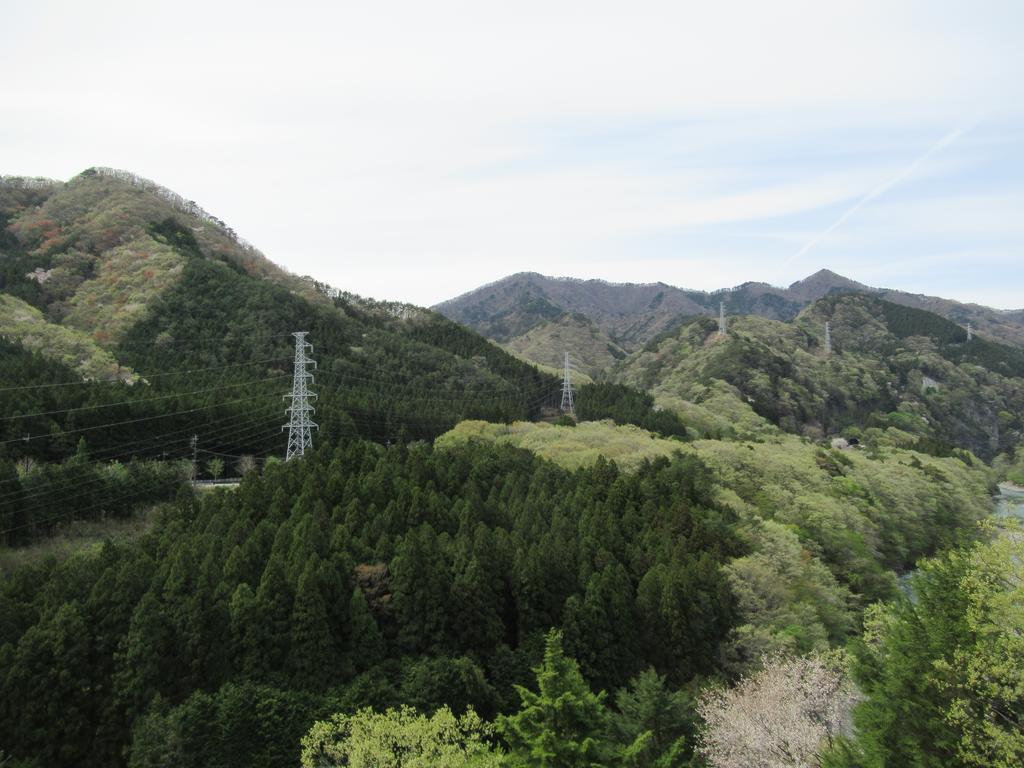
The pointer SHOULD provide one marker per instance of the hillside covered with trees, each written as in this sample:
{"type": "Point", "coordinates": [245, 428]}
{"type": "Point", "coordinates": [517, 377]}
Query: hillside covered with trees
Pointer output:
{"type": "Point", "coordinates": [689, 572]}
{"type": "Point", "coordinates": [892, 369]}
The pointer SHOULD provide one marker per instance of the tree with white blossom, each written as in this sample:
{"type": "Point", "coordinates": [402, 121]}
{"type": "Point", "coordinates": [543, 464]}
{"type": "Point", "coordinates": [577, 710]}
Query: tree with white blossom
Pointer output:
{"type": "Point", "coordinates": [785, 715]}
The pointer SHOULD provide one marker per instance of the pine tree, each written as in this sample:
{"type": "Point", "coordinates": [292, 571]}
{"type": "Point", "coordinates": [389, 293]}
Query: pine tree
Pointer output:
{"type": "Point", "coordinates": [420, 582]}
{"type": "Point", "coordinates": [274, 609]}
{"type": "Point", "coordinates": [145, 657]}
{"type": "Point", "coordinates": [311, 653]}
{"type": "Point", "coordinates": [15, 518]}
{"type": "Point", "coordinates": [247, 633]}
{"type": "Point", "coordinates": [474, 611]}
{"type": "Point", "coordinates": [601, 629]}
{"type": "Point", "coordinates": [652, 723]}
{"type": "Point", "coordinates": [563, 725]}
{"type": "Point", "coordinates": [366, 643]}
{"type": "Point", "coordinates": [49, 674]}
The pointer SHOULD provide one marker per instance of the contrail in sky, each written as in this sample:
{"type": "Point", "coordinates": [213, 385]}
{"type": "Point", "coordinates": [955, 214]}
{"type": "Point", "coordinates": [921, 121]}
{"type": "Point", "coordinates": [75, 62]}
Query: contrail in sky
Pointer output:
{"type": "Point", "coordinates": [942, 143]}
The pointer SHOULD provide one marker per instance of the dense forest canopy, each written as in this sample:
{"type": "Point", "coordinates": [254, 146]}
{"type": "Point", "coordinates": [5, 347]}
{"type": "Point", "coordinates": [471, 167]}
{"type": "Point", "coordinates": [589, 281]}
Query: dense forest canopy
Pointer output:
{"type": "Point", "coordinates": [373, 574]}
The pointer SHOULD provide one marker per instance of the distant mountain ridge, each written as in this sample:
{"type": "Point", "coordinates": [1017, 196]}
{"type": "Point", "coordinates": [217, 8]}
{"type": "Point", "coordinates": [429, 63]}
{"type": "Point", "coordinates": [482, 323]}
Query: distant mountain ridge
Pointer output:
{"type": "Point", "coordinates": [632, 314]}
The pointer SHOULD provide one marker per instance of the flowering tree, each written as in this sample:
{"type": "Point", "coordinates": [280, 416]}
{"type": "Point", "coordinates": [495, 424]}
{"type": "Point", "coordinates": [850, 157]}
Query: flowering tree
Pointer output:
{"type": "Point", "coordinates": [783, 715]}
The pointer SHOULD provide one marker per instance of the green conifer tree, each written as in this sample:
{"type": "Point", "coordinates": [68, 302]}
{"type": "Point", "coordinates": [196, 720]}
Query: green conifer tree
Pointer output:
{"type": "Point", "coordinates": [366, 645]}
{"type": "Point", "coordinates": [475, 618]}
{"type": "Point", "coordinates": [247, 633]}
{"type": "Point", "coordinates": [420, 582]}
{"type": "Point", "coordinates": [564, 724]}
{"type": "Point", "coordinates": [311, 653]}
{"type": "Point", "coordinates": [652, 723]}
{"type": "Point", "coordinates": [274, 609]}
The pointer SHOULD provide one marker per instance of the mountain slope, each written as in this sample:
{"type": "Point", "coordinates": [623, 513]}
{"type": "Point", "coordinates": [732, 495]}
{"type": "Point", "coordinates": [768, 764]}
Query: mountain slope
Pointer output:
{"type": "Point", "coordinates": [633, 314]}
{"type": "Point", "coordinates": [570, 332]}
{"type": "Point", "coordinates": [892, 367]}
{"type": "Point", "coordinates": [368, 576]}
{"type": "Point", "coordinates": [92, 253]}
{"type": "Point", "coordinates": [119, 279]}
{"type": "Point", "coordinates": [514, 305]}
{"type": "Point", "coordinates": [20, 320]}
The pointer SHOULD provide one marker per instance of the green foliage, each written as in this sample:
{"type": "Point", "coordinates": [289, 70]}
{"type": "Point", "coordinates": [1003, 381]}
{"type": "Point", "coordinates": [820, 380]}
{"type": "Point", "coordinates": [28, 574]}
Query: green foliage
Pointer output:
{"type": "Point", "coordinates": [860, 515]}
{"type": "Point", "coordinates": [215, 348]}
{"type": "Point", "coordinates": [547, 341]}
{"type": "Point", "coordinates": [951, 339]}
{"type": "Point", "coordinates": [125, 280]}
{"type": "Point", "coordinates": [236, 726]}
{"type": "Point", "coordinates": [121, 269]}
{"type": "Point", "coordinates": [582, 446]}
{"type": "Point", "coordinates": [68, 346]}
{"type": "Point", "coordinates": [655, 726]}
{"type": "Point", "coordinates": [942, 670]}
{"type": "Point", "coordinates": [789, 602]}
{"type": "Point", "coordinates": [563, 724]}
{"type": "Point", "coordinates": [1010, 466]}
{"type": "Point", "coordinates": [30, 510]}
{"type": "Point", "coordinates": [215, 467]}
{"type": "Point", "coordinates": [400, 738]}
{"type": "Point", "coordinates": [366, 576]}
{"type": "Point", "coordinates": [626, 405]}
{"type": "Point", "coordinates": [378, 377]}
{"type": "Point", "coordinates": [896, 368]}
{"type": "Point", "coordinates": [171, 231]}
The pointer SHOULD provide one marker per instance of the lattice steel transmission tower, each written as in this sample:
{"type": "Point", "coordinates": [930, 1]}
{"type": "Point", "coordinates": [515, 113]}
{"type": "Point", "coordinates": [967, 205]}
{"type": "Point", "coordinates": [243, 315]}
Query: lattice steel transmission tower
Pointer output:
{"type": "Point", "coordinates": [300, 425]}
{"type": "Point", "coordinates": [970, 332]}
{"type": "Point", "coordinates": [567, 403]}
{"type": "Point", "coordinates": [828, 338]}
{"type": "Point", "coordinates": [721, 318]}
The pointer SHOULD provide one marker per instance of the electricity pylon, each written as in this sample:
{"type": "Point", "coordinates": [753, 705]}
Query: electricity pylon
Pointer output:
{"type": "Point", "coordinates": [970, 332]}
{"type": "Point", "coordinates": [828, 338]}
{"type": "Point", "coordinates": [567, 404]}
{"type": "Point", "coordinates": [300, 425]}
{"type": "Point", "coordinates": [721, 318]}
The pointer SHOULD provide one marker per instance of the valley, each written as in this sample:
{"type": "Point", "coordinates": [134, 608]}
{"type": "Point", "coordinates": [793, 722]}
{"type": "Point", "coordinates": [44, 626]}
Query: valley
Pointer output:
{"type": "Point", "coordinates": [454, 554]}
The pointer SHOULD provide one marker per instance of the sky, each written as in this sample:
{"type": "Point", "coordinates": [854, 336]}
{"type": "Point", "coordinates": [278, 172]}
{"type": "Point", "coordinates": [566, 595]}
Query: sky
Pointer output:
{"type": "Point", "coordinates": [413, 151]}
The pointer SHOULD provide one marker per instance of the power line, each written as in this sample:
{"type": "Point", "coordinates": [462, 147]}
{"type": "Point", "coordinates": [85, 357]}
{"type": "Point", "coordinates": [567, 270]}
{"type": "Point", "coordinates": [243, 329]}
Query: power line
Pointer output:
{"type": "Point", "coordinates": [79, 483]}
{"type": "Point", "coordinates": [262, 427]}
{"type": "Point", "coordinates": [300, 425]}
{"type": "Point", "coordinates": [142, 400]}
{"type": "Point", "coordinates": [129, 421]}
{"type": "Point", "coordinates": [157, 441]}
{"type": "Point", "coordinates": [145, 377]}
{"type": "Point", "coordinates": [130, 448]}
{"type": "Point", "coordinates": [567, 403]}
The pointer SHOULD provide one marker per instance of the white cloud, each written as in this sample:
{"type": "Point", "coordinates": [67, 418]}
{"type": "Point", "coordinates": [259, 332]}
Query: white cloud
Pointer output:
{"type": "Point", "coordinates": [397, 149]}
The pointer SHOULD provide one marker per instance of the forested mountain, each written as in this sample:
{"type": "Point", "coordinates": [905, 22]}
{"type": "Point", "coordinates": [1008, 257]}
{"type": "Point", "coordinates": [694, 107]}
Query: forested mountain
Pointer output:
{"type": "Point", "coordinates": [456, 570]}
{"type": "Point", "coordinates": [133, 321]}
{"type": "Point", "coordinates": [890, 366]}
{"type": "Point", "coordinates": [522, 306]}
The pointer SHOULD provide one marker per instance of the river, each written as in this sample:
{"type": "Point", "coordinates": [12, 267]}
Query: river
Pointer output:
{"type": "Point", "coordinates": [1009, 503]}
